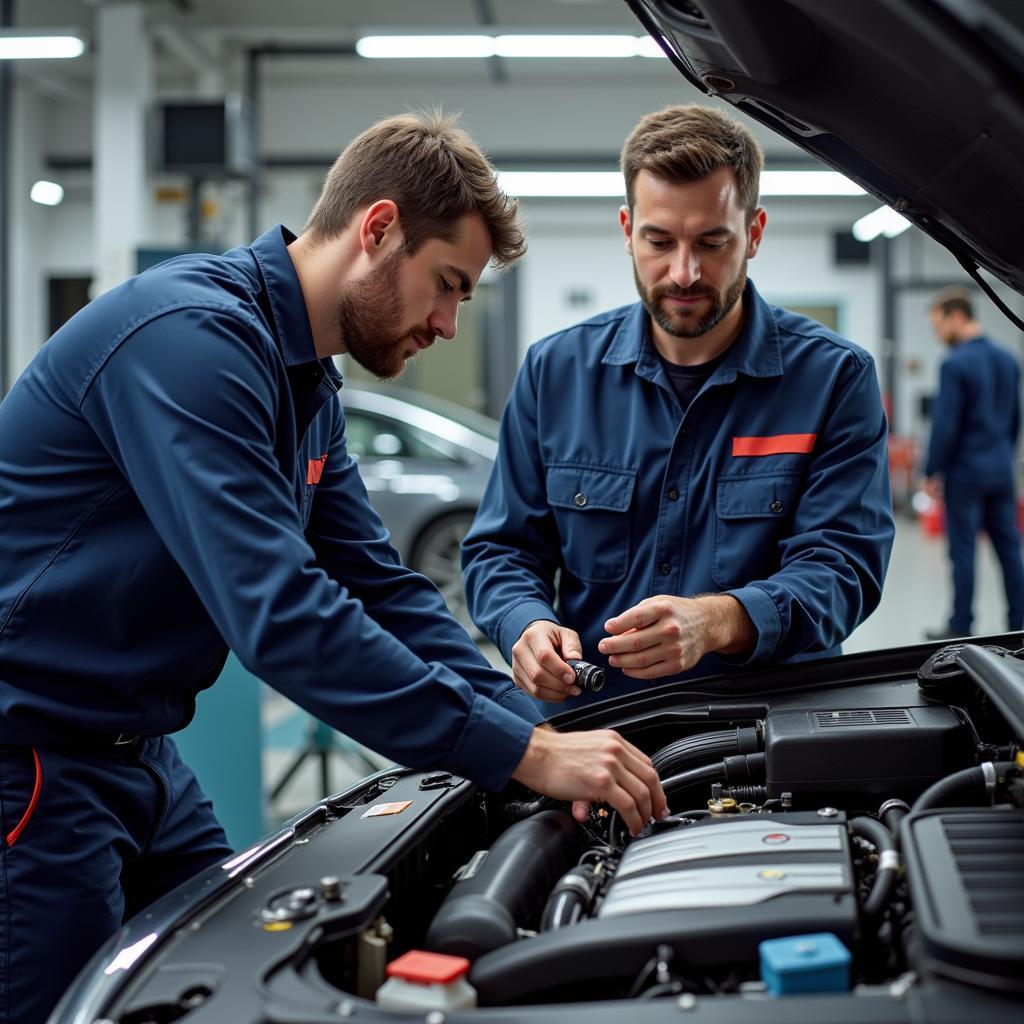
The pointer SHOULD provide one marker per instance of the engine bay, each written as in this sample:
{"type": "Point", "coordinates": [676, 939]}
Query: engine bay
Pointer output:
{"type": "Point", "coordinates": [856, 842]}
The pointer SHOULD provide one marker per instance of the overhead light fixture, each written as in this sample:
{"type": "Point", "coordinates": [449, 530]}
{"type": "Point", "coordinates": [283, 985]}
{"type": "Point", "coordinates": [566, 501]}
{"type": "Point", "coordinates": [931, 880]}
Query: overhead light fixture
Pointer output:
{"type": "Point", "coordinates": [33, 44]}
{"type": "Point", "coordinates": [599, 184]}
{"type": "Point", "coordinates": [567, 184]}
{"type": "Point", "coordinates": [563, 46]}
{"type": "Point", "coordinates": [808, 183]}
{"type": "Point", "coordinates": [48, 193]}
{"type": "Point", "coordinates": [883, 221]}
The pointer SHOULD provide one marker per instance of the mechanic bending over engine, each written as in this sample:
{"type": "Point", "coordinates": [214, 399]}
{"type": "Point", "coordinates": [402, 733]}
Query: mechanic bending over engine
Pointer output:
{"type": "Point", "coordinates": [174, 482]}
{"type": "Point", "coordinates": [697, 482]}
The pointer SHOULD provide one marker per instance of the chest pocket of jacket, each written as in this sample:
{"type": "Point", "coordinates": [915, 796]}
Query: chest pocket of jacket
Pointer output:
{"type": "Point", "coordinates": [752, 515]}
{"type": "Point", "coordinates": [591, 507]}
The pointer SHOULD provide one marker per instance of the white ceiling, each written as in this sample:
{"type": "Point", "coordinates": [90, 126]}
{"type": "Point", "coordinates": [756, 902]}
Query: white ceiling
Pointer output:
{"type": "Point", "coordinates": [226, 29]}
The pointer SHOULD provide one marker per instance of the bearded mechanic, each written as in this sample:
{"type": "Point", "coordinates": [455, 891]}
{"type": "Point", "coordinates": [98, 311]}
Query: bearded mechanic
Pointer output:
{"type": "Point", "coordinates": [694, 483]}
{"type": "Point", "coordinates": [173, 483]}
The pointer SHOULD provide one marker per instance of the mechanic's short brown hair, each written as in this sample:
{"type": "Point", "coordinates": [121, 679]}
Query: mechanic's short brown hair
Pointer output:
{"type": "Point", "coordinates": [689, 142]}
{"type": "Point", "coordinates": [435, 174]}
{"type": "Point", "coordinates": [953, 300]}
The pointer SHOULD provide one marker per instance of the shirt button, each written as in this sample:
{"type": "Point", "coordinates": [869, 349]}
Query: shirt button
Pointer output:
{"type": "Point", "coordinates": [686, 431]}
{"type": "Point", "coordinates": [776, 506]}
{"type": "Point", "coordinates": [673, 495]}
{"type": "Point", "coordinates": [665, 569]}
{"type": "Point", "coordinates": [580, 500]}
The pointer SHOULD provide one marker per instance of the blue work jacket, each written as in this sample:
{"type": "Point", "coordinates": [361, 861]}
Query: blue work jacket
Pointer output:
{"type": "Point", "coordinates": [772, 486]}
{"type": "Point", "coordinates": [976, 416]}
{"type": "Point", "coordinates": [174, 481]}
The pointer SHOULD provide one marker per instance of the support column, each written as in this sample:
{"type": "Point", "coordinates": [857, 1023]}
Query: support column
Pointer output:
{"type": "Point", "coordinates": [123, 91]}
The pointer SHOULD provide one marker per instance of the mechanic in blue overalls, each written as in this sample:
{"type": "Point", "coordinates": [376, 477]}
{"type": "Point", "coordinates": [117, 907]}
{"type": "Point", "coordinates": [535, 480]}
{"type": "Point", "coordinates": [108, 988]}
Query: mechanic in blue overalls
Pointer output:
{"type": "Point", "coordinates": [971, 457]}
{"type": "Point", "coordinates": [694, 483]}
{"type": "Point", "coordinates": [174, 482]}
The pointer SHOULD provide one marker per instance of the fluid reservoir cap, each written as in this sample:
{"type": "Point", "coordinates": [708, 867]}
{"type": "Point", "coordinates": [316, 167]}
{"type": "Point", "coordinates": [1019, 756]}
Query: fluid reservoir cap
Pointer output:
{"type": "Point", "coordinates": [428, 968]}
{"type": "Point", "coordinates": [805, 963]}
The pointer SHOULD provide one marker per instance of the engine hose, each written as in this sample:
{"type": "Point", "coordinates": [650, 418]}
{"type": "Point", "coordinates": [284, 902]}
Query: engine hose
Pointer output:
{"type": "Point", "coordinates": [485, 910]}
{"type": "Point", "coordinates": [571, 898]}
{"type": "Point", "coordinates": [747, 794]}
{"type": "Point", "coordinates": [517, 810]}
{"type": "Point", "coordinates": [975, 781]}
{"type": "Point", "coordinates": [695, 776]}
{"type": "Point", "coordinates": [888, 869]}
{"type": "Point", "coordinates": [891, 813]}
{"type": "Point", "coordinates": [704, 747]}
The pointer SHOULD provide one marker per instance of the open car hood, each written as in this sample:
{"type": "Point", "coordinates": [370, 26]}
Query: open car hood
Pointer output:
{"type": "Point", "coordinates": [921, 102]}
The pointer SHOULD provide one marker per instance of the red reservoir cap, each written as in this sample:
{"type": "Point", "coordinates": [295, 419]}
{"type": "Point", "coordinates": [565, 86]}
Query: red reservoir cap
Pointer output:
{"type": "Point", "coordinates": [428, 968]}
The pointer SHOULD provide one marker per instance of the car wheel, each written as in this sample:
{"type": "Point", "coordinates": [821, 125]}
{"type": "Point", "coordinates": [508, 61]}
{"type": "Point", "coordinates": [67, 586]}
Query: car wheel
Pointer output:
{"type": "Point", "coordinates": [437, 554]}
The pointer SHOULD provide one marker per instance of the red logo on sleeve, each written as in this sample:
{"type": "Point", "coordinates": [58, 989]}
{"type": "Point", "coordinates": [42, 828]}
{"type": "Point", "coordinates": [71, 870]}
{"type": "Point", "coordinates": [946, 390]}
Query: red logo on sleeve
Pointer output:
{"type": "Point", "coordinates": [315, 470]}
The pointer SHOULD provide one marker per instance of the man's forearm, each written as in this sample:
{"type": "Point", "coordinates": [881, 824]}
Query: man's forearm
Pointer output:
{"type": "Point", "coordinates": [728, 627]}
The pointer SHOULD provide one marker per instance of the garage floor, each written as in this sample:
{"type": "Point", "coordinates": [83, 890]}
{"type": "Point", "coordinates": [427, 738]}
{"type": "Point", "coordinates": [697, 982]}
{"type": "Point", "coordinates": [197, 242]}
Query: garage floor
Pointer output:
{"type": "Point", "coordinates": [916, 598]}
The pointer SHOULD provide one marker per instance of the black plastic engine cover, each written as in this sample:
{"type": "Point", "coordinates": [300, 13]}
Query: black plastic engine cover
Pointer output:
{"type": "Point", "coordinates": [867, 751]}
{"type": "Point", "coordinates": [967, 884]}
{"type": "Point", "coordinates": [712, 892]}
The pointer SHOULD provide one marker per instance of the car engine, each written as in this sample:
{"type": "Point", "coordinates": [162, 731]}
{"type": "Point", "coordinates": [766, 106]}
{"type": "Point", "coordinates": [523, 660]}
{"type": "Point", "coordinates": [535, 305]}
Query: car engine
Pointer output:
{"type": "Point", "coordinates": [853, 839]}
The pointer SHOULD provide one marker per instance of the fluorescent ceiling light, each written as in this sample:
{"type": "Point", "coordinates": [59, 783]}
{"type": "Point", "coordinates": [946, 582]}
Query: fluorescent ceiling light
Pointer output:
{"type": "Point", "coordinates": [571, 184]}
{"type": "Point", "coordinates": [808, 183]}
{"type": "Point", "coordinates": [426, 47]}
{"type": "Point", "coordinates": [883, 221]}
{"type": "Point", "coordinates": [49, 193]}
{"type": "Point", "coordinates": [565, 46]}
{"type": "Point", "coordinates": [27, 44]}
{"type": "Point", "coordinates": [599, 184]}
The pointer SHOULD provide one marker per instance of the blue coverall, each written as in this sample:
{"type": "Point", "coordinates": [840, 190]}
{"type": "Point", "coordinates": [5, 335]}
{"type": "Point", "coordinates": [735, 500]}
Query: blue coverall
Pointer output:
{"type": "Point", "coordinates": [174, 482]}
{"type": "Point", "coordinates": [771, 486]}
{"type": "Point", "coordinates": [975, 424]}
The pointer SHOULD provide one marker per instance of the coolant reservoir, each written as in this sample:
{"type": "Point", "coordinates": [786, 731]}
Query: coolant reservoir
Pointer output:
{"type": "Point", "coordinates": [427, 981]}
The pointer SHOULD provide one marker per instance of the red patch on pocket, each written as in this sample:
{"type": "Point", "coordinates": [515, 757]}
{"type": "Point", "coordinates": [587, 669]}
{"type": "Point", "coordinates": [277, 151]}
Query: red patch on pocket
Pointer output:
{"type": "Point", "coordinates": [315, 470]}
{"type": "Point", "coordinates": [777, 444]}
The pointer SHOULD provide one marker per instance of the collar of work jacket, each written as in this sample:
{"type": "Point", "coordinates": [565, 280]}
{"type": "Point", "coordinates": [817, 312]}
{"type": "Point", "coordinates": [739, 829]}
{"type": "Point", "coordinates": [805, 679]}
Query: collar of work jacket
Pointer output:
{"type": "Point", "coordinates": [756, 351]}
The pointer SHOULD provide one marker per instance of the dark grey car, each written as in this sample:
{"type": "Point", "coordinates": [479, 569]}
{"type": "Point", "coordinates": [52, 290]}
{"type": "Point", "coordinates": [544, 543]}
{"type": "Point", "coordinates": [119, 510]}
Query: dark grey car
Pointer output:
{"type": "Point", "coordinates": [425, 463]}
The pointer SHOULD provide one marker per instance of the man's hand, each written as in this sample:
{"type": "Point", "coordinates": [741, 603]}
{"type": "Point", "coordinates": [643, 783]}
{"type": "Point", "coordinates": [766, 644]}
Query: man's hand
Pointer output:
{"type": "Point", "coordinates": [932, 486]}
{"type": "Point", "coordinates": [665, 635]}
{"type": "Point", "coordinates": [599, 767]}
{"type": "Point", "coordinates": [538, 661]}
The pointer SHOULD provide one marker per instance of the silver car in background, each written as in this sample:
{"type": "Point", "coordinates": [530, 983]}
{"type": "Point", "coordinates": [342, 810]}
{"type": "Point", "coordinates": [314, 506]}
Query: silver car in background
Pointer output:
{"type": "Point", "coordinates": [425, 463]}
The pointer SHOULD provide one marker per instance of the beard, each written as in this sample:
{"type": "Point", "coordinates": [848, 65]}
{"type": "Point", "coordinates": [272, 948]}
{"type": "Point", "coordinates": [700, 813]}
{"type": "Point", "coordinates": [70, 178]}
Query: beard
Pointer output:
{"type": "Point", "coordinates": [682, 323]}
{"type": "Point", "coordinates": [369, 320]}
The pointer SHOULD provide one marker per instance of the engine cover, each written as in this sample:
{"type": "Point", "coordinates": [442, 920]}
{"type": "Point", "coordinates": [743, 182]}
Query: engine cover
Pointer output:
{"type": "Point", "coordinates": [712, 891]}
{"type": "Point", "coordinates": [735, 863]}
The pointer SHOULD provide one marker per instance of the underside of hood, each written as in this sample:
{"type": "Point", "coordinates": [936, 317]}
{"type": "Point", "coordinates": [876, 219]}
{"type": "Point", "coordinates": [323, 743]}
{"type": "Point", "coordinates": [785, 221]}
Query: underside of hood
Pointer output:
{"type": "Point", "coordinates": [921, 102]}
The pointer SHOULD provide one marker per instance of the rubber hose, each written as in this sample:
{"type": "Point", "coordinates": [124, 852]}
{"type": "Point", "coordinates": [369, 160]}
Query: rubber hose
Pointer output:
{"type": "Point", "coordinates": [485, 911]}
{"type": "Point", "coordinates": [571, 898]}
{"type": "Point", "coordinates": [891, 813]}
{"type": "Point", "coordinates": [888, 868]}
{"type": "Point", "coordinates": [703, 747]}
{"type": "Point", "coordinates": [939, 794]}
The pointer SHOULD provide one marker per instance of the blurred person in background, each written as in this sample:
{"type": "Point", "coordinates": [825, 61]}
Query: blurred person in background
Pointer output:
{"type": "Point", "coordinates": [971, 457]}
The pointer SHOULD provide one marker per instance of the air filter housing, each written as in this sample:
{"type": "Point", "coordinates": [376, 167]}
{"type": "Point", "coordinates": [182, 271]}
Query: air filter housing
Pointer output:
{"type": "Point", "coordinates": [867, 751]}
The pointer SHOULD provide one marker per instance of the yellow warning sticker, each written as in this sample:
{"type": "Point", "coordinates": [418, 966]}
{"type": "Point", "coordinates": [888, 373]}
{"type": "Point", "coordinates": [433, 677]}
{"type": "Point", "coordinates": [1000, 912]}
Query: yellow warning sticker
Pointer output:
{"type": "Point", "coordinates": [378, 810]}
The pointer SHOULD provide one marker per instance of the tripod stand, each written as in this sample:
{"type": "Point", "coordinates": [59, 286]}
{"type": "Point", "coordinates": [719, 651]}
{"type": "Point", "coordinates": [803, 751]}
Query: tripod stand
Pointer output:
{"type": "Point", "coordinates": [321, 742]}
